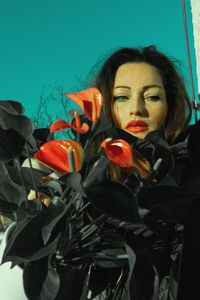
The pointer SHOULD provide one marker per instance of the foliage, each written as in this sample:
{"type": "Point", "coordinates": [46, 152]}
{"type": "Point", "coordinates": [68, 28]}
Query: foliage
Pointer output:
{"type": "Point", "coordinates": [69, 236]}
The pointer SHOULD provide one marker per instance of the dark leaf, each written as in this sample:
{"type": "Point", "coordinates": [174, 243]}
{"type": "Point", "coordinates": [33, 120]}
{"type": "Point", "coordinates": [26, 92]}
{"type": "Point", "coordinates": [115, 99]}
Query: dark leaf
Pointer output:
{"type": "Point", "coordinates": [56, 210]}
{"type": "Point", "coordinates": [18, 257]}
{"type": "Point", "coordinates": [168, 201]}
{"type": "Point", "coordinates": [73, 180]}
{"type": "Point", "coordinates": [26, 242]}
{"type": "Point", "coordinates": [129, 292]}
{"type": "Point", "coordinates": [179, 150]}
{"type": "Point", "coordinates": [114, 199]}
{"type": "Point", "coordinates": [14, 180]}
{"type": "Point", "coordinates": [97, 170]}
{"type": "Point", "coordinates": [34, 275]}
{"type": "Point", "coordinates": [10, 192]}
{"type": "Point", "coordinates": [51, 285]}
{"type": "Point", "coordinates": [11, 144]}
{"type": "Point", "coordinates": [19, 123]}
{"type": "Point", "coordinates": [12, 107]}
{"type": "Point", "coordinates": [27, 174]}
{"type": "Point", "coordinates": [41, 134]}
{"type": "Point", "coordinates": [71, 283]}
{"type": "Point", "coordinates": [41, 281]}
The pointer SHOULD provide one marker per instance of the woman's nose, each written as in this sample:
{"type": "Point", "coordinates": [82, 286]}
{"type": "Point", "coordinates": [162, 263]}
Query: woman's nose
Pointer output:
{"type": "Point", "coordinates": [137, 106]}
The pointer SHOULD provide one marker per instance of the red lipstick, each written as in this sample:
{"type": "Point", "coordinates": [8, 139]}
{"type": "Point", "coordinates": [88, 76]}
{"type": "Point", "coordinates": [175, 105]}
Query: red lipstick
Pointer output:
{"type": "Point", "coordinates": [136, 126]}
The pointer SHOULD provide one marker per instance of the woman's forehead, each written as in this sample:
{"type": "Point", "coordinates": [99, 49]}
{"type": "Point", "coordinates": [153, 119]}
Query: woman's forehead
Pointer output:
{"type": "Point", "coordinates": [137, 73]}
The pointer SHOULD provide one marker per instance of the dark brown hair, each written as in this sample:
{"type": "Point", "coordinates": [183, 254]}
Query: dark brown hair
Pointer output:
{"type": "Point", "coordinates": [179, 107]}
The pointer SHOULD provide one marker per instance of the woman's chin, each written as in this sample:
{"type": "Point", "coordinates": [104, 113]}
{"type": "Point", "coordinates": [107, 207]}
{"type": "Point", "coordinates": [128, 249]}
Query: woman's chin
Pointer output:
{"type": "Point", "coordinates": [140, 134]}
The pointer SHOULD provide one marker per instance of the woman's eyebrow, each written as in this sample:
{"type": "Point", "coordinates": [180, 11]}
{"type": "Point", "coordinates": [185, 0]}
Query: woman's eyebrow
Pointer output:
{"type": "Point", "coordinates": [146, 87]}
{"type": "Point", "coordinates": [122, 87]}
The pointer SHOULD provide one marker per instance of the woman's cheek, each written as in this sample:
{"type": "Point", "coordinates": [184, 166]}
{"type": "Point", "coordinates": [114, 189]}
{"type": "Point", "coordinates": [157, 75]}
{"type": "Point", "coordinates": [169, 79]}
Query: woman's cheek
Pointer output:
{"type": "Point", "coordinates": [116, 115]}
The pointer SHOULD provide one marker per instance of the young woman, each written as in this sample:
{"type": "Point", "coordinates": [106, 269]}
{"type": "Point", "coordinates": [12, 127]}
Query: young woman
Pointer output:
{"type": "Point", "coordinates": [143, 91]}
{"type": "Point", "coordinates": [148, 79]}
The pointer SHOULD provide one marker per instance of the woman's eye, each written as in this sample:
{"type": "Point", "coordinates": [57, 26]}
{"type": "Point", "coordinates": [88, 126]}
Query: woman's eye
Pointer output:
{"type": "Point", "coordinates": [152, 97]}
{"type": "Point", "coordinates": [121, 98]}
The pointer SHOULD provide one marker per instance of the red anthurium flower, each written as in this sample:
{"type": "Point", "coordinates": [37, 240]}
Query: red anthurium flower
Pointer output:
{"type": "Point", "coordinates": [62, 156]}
{"type": "Point", "coordinates": [90, 101]}
{"type": "Point", "coordinates": [120, 153]}
{"type": "Point", "coordinates": [76, 126]}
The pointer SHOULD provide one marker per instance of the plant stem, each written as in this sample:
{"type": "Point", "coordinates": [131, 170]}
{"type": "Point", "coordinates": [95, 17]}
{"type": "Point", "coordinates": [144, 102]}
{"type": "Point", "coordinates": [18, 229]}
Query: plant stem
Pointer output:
{"type": "Point", "coordinates": [31, 167]}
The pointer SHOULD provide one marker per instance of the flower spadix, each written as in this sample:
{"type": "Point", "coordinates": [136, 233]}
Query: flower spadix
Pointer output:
{"type": "Point", "coordinates": [90, 101]}
{"type": "Point", "coordinates": [120, 153]}
{"type": "Point", "coordinates": [63, 156]}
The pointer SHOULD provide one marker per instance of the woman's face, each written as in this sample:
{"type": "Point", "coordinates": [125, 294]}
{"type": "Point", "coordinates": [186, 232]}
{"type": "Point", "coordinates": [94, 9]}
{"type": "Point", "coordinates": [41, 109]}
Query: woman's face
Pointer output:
{"type": "Point", "coordinates": [140, 103]}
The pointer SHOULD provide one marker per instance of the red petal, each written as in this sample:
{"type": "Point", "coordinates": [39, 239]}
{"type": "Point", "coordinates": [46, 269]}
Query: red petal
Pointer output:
{"type": "Point", "coordinates": [54, 154]}
{"type": "Point", "coordinates": [119, 152]}
{"type": "Point", "coordinates": [59, 125]}
{"type": "Point", "coordinates": [87, 107]}
{"type": "Point", "coordinates": [83, 129]}
{"type": "Point", "coordinates": [90, 101]}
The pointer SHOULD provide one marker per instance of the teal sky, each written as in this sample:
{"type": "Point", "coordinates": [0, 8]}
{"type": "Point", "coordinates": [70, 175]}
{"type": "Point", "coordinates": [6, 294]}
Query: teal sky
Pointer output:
{"type": "Point", "coordinates": [46, 43]}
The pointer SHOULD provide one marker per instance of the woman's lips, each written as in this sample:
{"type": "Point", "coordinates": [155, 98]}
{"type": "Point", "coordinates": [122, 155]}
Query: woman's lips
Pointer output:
{"type": "Point", "coordinates": [136, 126]}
